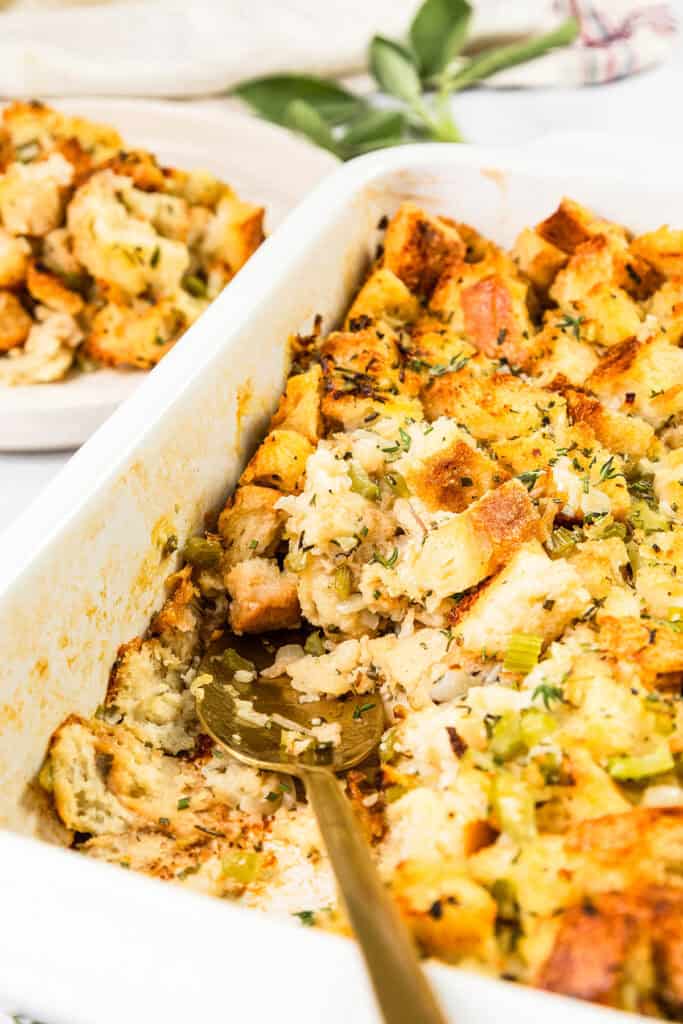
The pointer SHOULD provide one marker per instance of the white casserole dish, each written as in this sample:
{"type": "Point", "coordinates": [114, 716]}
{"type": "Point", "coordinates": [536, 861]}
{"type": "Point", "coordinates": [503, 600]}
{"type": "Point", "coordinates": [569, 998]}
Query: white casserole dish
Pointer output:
{"type": "Point", "coordinates": [83, 942]}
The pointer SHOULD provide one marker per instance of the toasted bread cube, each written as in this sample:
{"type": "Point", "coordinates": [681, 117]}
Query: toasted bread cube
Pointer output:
{"type": "Point", "coordinates": [279, 461]}
{"type": "Point", "coordinates": [234, 232]}
{"type": "Point", "coordinates": [105, 780]}
{"type": "Point", "coordinates": [384, 296]}
{"type": "Point", "coordinates": [263, 597]}
{"type": "Point", "coordinates": [557, 352]}
{"type": "Point", "coordinates": [639, 377]}
{"type": "Point", "coordinates": [656, 650]}
{"type": "Point", "coordinates": [250, 524]}
{"type": "Point", "coordinates": [571, 225]}
{"type": "Point", "coordinates": [454, 477]}
{"type": "Point", "coordinates": [349, 411]}
{"type": "Point", "coordinates": [663, 249]}
{"type": "Point", "coordinates": [473, 544]}
{"type": "Point", "coordinates": [368, 354]}
{"type": "Point", "coordinates": [15, 323]}
{"type": "Point", "coordinates": [532, 594]}
{"type": "Point", "coordinates": [417, 247]}
{"type": "Point", "coordinates": [32, 195]}
{"type": "Point", "coordinates": [14, 259]}
{"type": "Point", "coordinates": [435, 346]}
{"type": "Point", "coordinates": [538, 260]}
{"type": "Point", "coordinates": [492, 408]}
{"type": "Point", "coordinates": [52, 292]}
{"type": "Point", "coordinates": [496, 319]}
{"type": "Point", "coordinates": [450, 915]}
{"type": "Point", "coordinates": [118, 247]}
{"type": "Point", "coordinates": [585, 288]}
{"type": "Point", "coordinates": [629, 435]}
{"type": "Point", "coordinates": [34, 124]}
{"type": "Point", "coordinates": [299, 407]}
{"type": "Point", "coordinates": [659, 576]}
{"type": "Point", "coordinates": [668, 483]}
{"type": "Point", "coordinates": [667, 306]}
{"type": "Point", "coordinates": [134, 334]}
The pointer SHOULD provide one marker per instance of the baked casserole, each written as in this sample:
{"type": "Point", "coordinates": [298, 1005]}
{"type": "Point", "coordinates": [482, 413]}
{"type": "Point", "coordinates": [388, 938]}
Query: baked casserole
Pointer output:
{"type": "Point", "coordinates": [468, 506]}
{"type": "Point", "coordinates": [106, 257]}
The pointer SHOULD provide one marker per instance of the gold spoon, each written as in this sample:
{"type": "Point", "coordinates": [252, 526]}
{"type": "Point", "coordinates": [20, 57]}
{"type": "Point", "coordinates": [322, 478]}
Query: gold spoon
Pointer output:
{"type": "Point", "coordinates": [400, 986]}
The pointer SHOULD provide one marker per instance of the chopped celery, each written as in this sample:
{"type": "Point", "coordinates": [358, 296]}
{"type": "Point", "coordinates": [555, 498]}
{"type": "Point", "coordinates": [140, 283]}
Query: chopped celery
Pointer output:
{"type": "Point", "coordinates": [561, 542]}
{"type": "Point", "coordinates": [506, 737]}
{"type": "Point", "coordinates": [295, 561]}
{"type": "Point", "coordinates": [362, 484]}
{"type": "Point", "coordinates": [648, 519]}
{"type": "Point", "coordinates": [314, 645]}
{"type": "Point", "coordinates": [397, 484]}
{"type": "Point", "coordinates": [343, 581]}
{"type": "Point", "coordinates": [234, 662]}
{"type": "Point", "coordinates": [514, 734]}
{"type": "Point", "coordinates": [243, 866]}
{"type": "Point", "coordinates": [203, 553]}
{"type": "Point", "coordinates": [522, 652]}
{"type": "Point", "coordinates": [513, 806]}
{"type": "Point", "coordinates": [627, 768]}
{"type": "Point", "coordinates": [536, 725]}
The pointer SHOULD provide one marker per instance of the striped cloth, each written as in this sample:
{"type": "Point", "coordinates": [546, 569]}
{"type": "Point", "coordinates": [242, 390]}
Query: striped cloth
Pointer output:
{"type": "Point", "coordinates": [63, 47]}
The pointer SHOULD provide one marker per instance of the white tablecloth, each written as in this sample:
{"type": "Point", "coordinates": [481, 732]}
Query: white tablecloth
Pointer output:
{"type": "Point", "coordinates": [638, 107]}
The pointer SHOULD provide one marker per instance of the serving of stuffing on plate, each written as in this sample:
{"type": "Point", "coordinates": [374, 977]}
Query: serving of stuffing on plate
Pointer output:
{"type": "Point", "coordinates": [106, 257]}
{"type": "Point", "coordinates": [469, 506]}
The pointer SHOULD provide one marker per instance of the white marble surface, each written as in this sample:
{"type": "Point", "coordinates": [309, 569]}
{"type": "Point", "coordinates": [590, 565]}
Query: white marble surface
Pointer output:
{"type": "Point", "coordinates": [640, 106]}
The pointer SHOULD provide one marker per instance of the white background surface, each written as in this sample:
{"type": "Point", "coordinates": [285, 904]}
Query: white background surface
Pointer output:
{"type": "Point", "coordinates": [640, 107]}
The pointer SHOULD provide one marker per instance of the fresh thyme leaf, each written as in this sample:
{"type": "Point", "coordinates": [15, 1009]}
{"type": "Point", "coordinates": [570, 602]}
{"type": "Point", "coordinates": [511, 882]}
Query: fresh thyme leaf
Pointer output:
{"type": "Point", "coordinates": [572, 321]}
{"type": "Point", "coordinates": [455, 364]}
{"type": "Point", "coordinates": [608, 470]}
{"type": "Point", "coordinates": [359, 711]}
{"type": "Point", "coordinates": [529, 478]}
{"type": "Point", "coordinates": [387, 563]}
{"type": "Point", "coordinates": [548, 693]}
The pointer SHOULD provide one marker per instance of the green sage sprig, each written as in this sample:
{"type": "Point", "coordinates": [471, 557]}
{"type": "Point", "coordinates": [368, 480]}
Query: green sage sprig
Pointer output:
{"type": "Point", "coordinates": [420, 75]}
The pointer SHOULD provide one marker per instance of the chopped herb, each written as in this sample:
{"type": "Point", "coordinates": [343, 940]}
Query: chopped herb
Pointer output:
{"type": "Point", "coordinates": [164, 822]}
{"type": "Point", "coordinates": [359, 711]}
{"type": "Point", "coordinates": [306, 917]}
{"type": "Point", "coordinates": [155, 257]}
{"type": "Point", "coordinates": [455, 364]}
{"type": "Point", "coordinates": [548, 693]}
{"type": "Point", "coordinates": [529, 478]}
{"type": "Point", "coordinates": [183, 803]}
{"type": "Point", "coordinates": [405, 441]}
{"type": "Point", "coordinates": [608, 470]}
{"type": "Point", "coordinates": [502, 335]}
{"type": "Point", "coordinates": [389, 562]}
{"type": "Point", "coordinates": [572, 321]}
{"type": "Point", "coordinates": [272, 797]}
{"type": "Point", "coordinates": [253, 544]}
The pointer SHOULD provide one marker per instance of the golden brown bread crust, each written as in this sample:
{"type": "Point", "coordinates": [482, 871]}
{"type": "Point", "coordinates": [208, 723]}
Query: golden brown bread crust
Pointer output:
{"type": "Point", "coordinates": [417, 246]}
{"type": "Point", "coordinates": [490, 322]}
{"type": "Point", "coordinates": [453, 478]}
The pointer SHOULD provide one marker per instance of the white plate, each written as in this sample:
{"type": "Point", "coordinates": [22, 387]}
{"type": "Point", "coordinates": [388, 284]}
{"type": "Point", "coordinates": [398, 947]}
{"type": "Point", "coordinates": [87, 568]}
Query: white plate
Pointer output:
{"type": "Point", "coordinates": [264, 163]}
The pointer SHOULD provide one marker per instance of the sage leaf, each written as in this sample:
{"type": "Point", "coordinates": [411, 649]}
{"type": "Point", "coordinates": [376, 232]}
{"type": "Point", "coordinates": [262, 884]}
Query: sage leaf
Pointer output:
{"type": "Point", "coordinates": [394, 69]}
{"type": "Point", "coordinates": [490, 61]}
{"type": "Point", "coordinates": [375, 125]}
{"type": "Point", "coordinates": [272, 95]}
{"type": "Point", "coordinates": [302, 117]}
{"type": "Point", "coordinates": [438, 33]}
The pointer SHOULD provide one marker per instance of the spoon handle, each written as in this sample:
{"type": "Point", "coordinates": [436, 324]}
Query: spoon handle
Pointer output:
{"type": "Point", "coordinates": [400, 986]}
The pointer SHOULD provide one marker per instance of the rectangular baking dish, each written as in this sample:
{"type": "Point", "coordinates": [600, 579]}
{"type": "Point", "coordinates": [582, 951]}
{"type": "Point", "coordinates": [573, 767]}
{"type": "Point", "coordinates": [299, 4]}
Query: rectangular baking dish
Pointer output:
{"type": "Point", "coordinates": [82, 942]}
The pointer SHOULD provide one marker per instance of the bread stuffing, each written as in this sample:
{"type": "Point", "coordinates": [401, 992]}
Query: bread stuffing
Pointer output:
{"type": "Point", "coordinates": [106, 257]}
{"type": "Point", "coordinates": [468, 506]}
